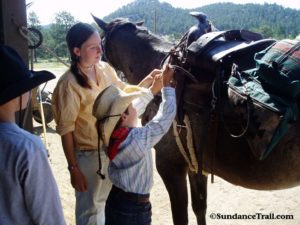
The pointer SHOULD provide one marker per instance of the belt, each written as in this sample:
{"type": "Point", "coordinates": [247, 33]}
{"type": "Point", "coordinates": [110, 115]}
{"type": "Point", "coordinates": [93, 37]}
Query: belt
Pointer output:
{"type": "Point", "coordinates": [88, 150]}
{"type": "Point", "coordinates": [139, 198]}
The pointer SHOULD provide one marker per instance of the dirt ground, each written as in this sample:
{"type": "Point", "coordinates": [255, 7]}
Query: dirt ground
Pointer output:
{"type": "Point", "coordinates": [223, 198]}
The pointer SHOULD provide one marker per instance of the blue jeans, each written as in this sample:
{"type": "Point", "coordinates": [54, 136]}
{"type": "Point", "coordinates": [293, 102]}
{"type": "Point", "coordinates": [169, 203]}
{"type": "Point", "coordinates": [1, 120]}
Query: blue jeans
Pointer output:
{"type": "Point", "coordinates": [121, 211]}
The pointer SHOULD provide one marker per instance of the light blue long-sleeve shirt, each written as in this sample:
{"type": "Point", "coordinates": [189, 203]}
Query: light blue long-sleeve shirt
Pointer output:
{"type": "Point", "coordinates": [132, 168]}
{"type": "Point", "coordinates": [29, 194]}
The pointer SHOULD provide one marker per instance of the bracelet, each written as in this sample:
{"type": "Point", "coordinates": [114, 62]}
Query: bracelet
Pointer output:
{"type": "Point", "coordinates": [173, 83]}
{"type": "Point", "coordinates": [72, 167]}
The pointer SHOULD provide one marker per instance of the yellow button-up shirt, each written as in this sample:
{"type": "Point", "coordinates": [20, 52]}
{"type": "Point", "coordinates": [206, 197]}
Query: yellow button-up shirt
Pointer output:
{"type": "Point", "coordinates": [72, 105]}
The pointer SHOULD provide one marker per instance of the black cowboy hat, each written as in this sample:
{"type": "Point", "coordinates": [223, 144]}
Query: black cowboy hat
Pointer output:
{"type": "Point", "coordinates": [15, 77]}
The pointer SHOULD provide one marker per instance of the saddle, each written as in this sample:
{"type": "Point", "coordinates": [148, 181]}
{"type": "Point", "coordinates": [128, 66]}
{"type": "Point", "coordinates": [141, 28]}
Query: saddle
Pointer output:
{"type": "Point", "coordinates": [225, 47]}
{"type": "Point", "coordinates": [208, 55]}
{"type": "Point", "coordinates": [203, 42]}
{"type": "Point", "coordinates": [265, 116]}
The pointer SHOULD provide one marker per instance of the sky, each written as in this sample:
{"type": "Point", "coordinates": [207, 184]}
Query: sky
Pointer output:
{"type": "Point", "coordinates": [82, 9]}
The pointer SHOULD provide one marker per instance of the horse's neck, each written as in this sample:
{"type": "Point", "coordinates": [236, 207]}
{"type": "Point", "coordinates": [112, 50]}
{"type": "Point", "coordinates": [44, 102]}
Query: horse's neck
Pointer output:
{"type": "Point", "coordinates": [144, 65]}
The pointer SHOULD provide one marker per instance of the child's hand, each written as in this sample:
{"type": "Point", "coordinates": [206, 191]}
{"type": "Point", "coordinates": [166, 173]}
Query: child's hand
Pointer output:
{"type": "Point", "coordinates": [168, 74]}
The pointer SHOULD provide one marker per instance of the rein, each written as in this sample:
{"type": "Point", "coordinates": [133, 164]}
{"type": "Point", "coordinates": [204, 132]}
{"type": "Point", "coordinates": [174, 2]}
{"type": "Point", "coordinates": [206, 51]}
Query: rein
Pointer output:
{"type": "Point", "coordinates": [174, 53]}
{"type": "Point", "coordinates": [185, 72]}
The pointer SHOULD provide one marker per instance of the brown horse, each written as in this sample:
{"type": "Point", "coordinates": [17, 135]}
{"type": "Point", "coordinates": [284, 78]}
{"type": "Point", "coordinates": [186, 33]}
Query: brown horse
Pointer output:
{"type": "Point", "coordinates": [135, 51]}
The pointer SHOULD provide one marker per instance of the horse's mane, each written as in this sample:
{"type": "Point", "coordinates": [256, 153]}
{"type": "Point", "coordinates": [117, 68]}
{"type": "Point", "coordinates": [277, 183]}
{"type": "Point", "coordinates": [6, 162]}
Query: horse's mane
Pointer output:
{"type": "Point", "coordinates": [143, 33]}
{"type": "Point", "coordinates": [114, 24]}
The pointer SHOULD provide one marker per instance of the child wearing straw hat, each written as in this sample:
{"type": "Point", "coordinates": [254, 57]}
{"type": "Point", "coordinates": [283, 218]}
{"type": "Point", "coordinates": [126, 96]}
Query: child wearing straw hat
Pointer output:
{"type": "Point", "coordinates": [29, 194]}
{"type": "Point", "coordinates": [129, 148]}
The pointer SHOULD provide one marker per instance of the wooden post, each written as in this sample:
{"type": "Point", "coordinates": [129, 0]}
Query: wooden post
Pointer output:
{"type": "Point", "coordinates": [12, 16]}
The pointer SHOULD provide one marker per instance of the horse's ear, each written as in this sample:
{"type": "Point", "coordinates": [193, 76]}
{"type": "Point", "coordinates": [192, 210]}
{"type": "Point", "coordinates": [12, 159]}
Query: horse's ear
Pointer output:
{"type": "Point", "coordinates": [140, 23]}
{"type": "Point", "coordinates": [100, 23]}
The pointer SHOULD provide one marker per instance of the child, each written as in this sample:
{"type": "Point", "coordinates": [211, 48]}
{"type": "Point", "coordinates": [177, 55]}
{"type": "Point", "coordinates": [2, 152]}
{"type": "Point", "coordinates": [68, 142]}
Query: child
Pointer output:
{"type": "Point", "coordinates": [129, 149]}
{"type": "Point", "coordinates": [28, 191]}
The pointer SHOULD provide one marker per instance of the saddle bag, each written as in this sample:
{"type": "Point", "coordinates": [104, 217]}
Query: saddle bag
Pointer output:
{"type": "Point", "coordinates": [267, 116]}
{"type": "Point", "coordinates": [267, 96]}
{"type": "Point", "coordinates": [279, 67]}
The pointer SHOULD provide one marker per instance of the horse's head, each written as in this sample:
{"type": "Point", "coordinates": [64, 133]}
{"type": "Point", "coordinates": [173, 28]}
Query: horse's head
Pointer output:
{"type": "Point", "coordinates": [131, 48]}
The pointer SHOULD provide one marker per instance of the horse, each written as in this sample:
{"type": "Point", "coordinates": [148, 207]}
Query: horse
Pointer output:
{"type": "Point", "coordinates": [128, 45]}
{"type": "Point", "coordinates": [169, 160]}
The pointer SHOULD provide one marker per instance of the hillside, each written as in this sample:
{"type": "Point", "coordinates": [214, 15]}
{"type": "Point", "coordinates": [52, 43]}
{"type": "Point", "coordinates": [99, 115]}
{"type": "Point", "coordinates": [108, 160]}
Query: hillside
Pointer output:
{"type": "Point", "coordinates": [270, 19]}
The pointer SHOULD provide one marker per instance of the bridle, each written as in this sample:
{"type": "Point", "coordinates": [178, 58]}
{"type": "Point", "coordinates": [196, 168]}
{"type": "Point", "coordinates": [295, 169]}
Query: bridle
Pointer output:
{"type": "Point", "coordinates": [108, 32]}
{"type": "Point", "coordinates": [176, 52]}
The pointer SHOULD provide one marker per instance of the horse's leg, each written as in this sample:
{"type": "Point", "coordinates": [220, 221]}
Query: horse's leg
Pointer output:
{"type": "Point", "coordinates": [198, 182]}
{"type": "Point", "coordinates": [175, 181]}
{"type": "Point", "coordinates": [173, 170]}
{"type": "Point", "coordinates": [198, 185]}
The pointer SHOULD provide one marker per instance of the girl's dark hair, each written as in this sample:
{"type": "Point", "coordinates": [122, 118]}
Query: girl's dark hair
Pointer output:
{"type": "Point", "coordinates": [76, 36]}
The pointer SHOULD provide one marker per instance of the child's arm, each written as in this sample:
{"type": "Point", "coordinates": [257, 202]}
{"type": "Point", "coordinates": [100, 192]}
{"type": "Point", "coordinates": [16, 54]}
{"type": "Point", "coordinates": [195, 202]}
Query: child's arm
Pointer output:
{"type": "Point", "coordinates": [141, 103]}
{"type": "Point", "coordinates": [162, 121]}
{"type": "Point", "coordinates": [160, 124]}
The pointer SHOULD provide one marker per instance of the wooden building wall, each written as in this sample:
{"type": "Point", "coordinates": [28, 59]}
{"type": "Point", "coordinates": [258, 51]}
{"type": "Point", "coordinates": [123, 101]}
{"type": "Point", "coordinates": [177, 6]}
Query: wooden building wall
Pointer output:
{"type": "Point", "coordinates": [12, 16]}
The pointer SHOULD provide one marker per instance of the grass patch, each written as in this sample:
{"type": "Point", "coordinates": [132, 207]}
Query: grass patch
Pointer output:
{"type": "Point", "coordinates": [55, 67]}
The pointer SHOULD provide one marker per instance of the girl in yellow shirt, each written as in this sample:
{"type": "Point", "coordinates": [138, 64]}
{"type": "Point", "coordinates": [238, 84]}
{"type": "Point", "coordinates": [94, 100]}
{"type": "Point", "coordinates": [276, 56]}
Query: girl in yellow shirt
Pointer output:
{"type": "Point", "coordinates": [72, 103]}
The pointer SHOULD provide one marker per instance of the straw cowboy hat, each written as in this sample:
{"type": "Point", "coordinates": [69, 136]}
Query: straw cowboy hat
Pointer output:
{"type": "Point", "coordinates": [15, 78]}
{"type": "Point", "coordinates": [110, 104]}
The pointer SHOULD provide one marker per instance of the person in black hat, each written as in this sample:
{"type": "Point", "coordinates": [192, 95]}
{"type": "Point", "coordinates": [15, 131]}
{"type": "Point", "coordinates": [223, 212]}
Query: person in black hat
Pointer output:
{"type": "Point", "coordinates": [29, 194]}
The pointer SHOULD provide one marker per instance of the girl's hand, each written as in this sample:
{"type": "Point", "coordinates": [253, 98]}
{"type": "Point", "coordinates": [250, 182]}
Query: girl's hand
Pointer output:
{"type": "Point", "coordinates": [148, 80]}
{"type": "Point", "coordinates": [78, 180]}
{"type": "Point", "coordinates": [157, 84]}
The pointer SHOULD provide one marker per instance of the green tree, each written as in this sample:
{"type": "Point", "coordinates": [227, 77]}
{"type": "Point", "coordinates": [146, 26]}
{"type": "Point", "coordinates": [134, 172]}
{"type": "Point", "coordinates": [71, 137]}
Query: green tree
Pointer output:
{"type": "Point", "coordinates": [278, 22]}
{"type": "Point", "coordinates": [34, 22]}
{"type": "Point", "coordinates": [266, 30]}
{"type": "Point", "coordinates": [63, 21]}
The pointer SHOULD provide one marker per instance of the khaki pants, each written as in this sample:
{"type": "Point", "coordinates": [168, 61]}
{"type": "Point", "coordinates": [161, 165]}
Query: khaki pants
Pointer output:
{"type": "Point", "coordinates": [90, 205]}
